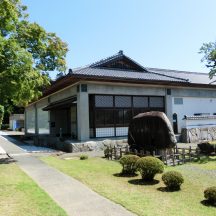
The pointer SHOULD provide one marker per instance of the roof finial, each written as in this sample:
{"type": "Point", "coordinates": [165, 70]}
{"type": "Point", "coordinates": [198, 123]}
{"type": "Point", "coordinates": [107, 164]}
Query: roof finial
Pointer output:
{"type": "Point", "coordinates": [70, 71]}
{"type": "Point", "coordinates": [120, 52]}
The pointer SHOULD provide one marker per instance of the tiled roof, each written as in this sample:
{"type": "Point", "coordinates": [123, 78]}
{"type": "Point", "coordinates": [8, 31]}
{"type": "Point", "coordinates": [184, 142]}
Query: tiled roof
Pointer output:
{"type": "Point", "coordinates": [200, 117]}
{"type": "Point", "coordinates": [122, 74]}
{"type": "Point", "coordinates": [98, 70]}
{"type": "Point", "coordinates": [193, 77]}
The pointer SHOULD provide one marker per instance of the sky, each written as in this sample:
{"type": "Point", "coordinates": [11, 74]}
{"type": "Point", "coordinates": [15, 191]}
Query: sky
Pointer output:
{"type": "Point", "coordinates": [155, 33]}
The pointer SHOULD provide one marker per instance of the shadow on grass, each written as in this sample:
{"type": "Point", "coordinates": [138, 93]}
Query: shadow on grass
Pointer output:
{"type": "Point", "coordinates": [205, 159]}
{"type": "Point", "coordinates": [124, 175]}
{"type": "Point", "coordinates": [7, 160]}
{"type": "Point", "coordinates": [141, 182]}
{"type": "Point", "coordinates": [166, 189]}
{"type": "Point", "coordinates": [208, 204]}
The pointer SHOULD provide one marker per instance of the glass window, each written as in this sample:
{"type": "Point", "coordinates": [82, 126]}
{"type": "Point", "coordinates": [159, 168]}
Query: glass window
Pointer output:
{"type": "Point", "coordinates": [43, 121]}
{"type": "Point", "coordinates": [127, 116]}
{"type": "Point", "coordinates": [119, 117]}
{"type": "Point", "coordinates": [178, 101]}
{"type": "Point", "coordinates": [103, 101]}
{"type": "Point", "coordinates": [140, 101]}
{"type": "Point", "coordinates": [156, 102]}
{"type": "Point", "coordinates": [30, 120]}
{"type": "Point", "coordinates": [109, 117]}
{"type": "Point", "coordinates": [99, 118]}
{"type": "Point", "coordinates": [122, 101]}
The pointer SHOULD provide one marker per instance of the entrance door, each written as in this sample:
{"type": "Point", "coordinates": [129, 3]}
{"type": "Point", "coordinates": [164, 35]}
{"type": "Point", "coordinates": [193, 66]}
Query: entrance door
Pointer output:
{"type": "Point", "coordinates": [175, 123]}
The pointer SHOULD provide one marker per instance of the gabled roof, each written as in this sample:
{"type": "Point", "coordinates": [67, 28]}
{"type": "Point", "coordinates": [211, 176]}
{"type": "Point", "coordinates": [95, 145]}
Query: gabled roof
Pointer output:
{"type": "Point", "coordinates": [118, 61]}
{"type": "Point", "coordinates": [121, 68]}
{"type": "Point", "coordinates": [106, 73]}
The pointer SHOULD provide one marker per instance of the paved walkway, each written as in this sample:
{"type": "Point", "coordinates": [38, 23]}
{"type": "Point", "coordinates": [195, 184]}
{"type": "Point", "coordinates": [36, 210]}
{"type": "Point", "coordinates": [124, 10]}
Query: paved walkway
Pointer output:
{"type": "Point", "coordinates": [73, 196]}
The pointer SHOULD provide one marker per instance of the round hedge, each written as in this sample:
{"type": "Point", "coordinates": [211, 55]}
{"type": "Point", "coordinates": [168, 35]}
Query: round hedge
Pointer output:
{"type": "Point", "coordinates": [210, 194]}
{"type": "Point", "coordinates": [83, 157]}
{"type": "Point", "coordinates": [128, 163]}
{"type": "Point", "coordinates": [149, 166]}
{"type": "Point", "coordinates": [173, 180]}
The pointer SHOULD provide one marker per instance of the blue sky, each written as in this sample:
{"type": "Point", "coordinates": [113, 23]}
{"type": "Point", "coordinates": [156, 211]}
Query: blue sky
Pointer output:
{"type": "Point", "coordinates": [155, 33]}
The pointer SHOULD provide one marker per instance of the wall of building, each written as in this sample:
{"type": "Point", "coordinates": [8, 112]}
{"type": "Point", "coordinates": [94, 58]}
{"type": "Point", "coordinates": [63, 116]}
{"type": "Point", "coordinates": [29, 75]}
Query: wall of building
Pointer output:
{"type": "Point", "coordinates": [42, 117]}
{"type": "Point", "coordinates": [125, 89]}
{"type": "Point", "coordinates": [194, 101]}
{"type": "Point", "coordinates": [30, 123]}
{"type": "Point", "coordinates": [38, 121]}
{"type": "Point", "coordinates": [68, 92]}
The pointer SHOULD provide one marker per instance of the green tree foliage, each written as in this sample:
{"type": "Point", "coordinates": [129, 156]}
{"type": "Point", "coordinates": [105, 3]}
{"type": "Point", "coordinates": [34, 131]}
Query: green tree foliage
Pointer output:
{"type": "Point", "coordinates": [1, 115]}
{"type": "Point", "coordinates": [27, 54]}
{"type": "Point", "coordinates": [209, 52]}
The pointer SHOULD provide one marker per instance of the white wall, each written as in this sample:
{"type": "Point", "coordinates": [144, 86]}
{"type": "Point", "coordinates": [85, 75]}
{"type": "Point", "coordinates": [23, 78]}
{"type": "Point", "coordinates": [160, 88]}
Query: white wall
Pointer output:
{"type": "Point", "coordinates": [193, 105]}
{"type": "Point", "coordinates": [30, 119]}
{"type": "Point", "coordinates": [42, 117]}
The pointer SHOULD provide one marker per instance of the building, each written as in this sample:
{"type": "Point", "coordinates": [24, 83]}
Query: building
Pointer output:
{"type": "Point", "coordinates": [16, 121]}
{"type": "Point", "coordinates": [100, 99]}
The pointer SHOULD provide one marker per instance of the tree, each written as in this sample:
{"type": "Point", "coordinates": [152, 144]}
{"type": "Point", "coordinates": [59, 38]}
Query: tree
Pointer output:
{"type": "Point", "coordinates": [209, 51]}
{"type": "Point", "coordinates": [27, 54]}
{"type": "Point", "coordinates": [1, 115]}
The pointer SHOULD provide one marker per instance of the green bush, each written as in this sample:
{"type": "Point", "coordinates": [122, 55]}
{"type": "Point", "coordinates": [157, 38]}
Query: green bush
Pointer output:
{"type": "Point", "coordinates": [207, 148]}
{"type": "Point", "coordinates": [149, 166]}
{"type": "Point", "coordinates": [5, 126]}
{"type": "Point", "coordinates": [173, 180]}
{"type": "Point", "coordinates": [210, 194]}
{"type": "Point", "coordinates": [83, 157]}
{"type": "Point", "coordinates": [128, 163]}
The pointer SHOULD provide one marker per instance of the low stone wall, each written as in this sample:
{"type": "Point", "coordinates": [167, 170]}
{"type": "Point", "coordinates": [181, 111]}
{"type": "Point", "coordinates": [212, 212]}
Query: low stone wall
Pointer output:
{"type": "Point", "coordinates": [70, 146]}
{"type": "Point", "coordinates": [194, 135]}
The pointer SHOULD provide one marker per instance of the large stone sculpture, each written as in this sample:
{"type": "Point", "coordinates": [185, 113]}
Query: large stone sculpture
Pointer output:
{"type": "Point", "coordinates": [150, 131]}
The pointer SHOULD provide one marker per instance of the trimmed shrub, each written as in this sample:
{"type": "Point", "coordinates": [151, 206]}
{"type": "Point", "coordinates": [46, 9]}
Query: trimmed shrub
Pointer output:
{"type": "Point", "coordinates": [83, 157]}
{"type": "Point", "coordinates": [128, 163]}
{"type": "Point", "coordinates": [207, 148]}
{"type": "Point", "coordinates": [210, 194]}
{"type": "Point", "coordinates": [173, 180]}
{"type": "Point", "coordinates": [149, 166]}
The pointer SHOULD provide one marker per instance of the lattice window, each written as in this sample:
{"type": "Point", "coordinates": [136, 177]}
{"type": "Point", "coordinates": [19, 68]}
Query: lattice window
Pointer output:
{"type": "Point", "coordinates": [103, 101]}
{"type": "Point", "coordinates": [156, 102]}
{"type": "Point", "coordinates": [122, 101]}
{"type": "Point", "coordinates": [140, 102]}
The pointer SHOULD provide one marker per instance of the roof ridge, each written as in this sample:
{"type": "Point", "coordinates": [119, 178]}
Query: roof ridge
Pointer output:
{"type": "Point", "coordinates": [187, 80]}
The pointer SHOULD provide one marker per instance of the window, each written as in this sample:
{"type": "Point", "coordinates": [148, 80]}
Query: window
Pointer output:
{"type": "Point", "coordinates": [123, 117]}
{"type": "Point", "coordinates": [140, 102]}
{"type": "Point", "coordinates": [104, 118]}
{"type": "Point", "coordinates": [178, 101]}
{"type": "Point", "coordinates": [103, 101]}
{"type": "Point", "coordinates": [122, 101]}
{"type": "Point", "coordinates": [110, 115]}
{"type": "Point", "coordinates": [156, 102]}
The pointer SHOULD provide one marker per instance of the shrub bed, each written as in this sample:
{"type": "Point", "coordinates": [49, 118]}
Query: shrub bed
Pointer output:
{"type": "Point", "coordinates": [173, 180]}
{"type": "Point", "coordinates": [149, 166]}
{"type": "Point", "coordinates": [210, 195]}
{"type": "Point", "coordinates": [128, 163]}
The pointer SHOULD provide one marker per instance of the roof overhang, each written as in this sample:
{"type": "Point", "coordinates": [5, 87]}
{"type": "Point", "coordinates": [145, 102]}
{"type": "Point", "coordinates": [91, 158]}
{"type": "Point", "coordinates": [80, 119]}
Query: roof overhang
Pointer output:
{"type": "Point", "coordinates": [61, 104]}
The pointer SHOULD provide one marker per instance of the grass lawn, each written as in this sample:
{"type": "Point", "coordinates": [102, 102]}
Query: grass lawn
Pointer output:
{"type": "Point", "coordinates": [20, 196]}
{"type": "Point", "coordinates": [99, 174]}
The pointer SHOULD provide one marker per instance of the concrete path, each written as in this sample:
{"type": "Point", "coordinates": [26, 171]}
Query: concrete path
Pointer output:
{"type": "Point", "coordinates": [74, 197]}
